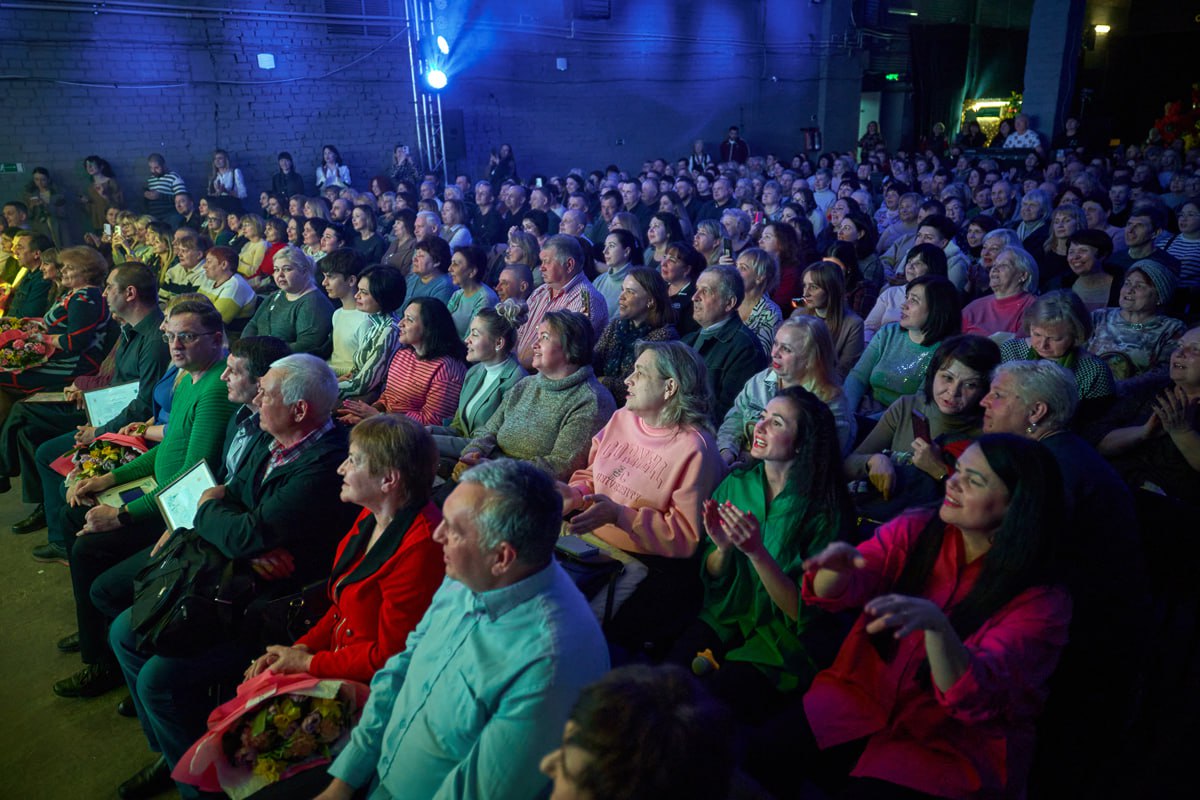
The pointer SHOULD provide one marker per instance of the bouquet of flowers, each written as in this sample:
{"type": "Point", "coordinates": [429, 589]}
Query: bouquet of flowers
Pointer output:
{"type": "Point", "coordinates": [102, 456]}
{"type": "Point", "coordinates": [277, 726]}
{"type": "Point", "coordinates": [21, 345]}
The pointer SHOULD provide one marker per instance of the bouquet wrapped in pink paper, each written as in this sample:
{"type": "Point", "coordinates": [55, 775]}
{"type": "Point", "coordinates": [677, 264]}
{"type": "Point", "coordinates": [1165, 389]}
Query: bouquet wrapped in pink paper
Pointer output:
{"type": "Point", "coordinates": [21, 345]}
{"type": "Point", "coordinates": [276, 727]}
{"type": "Point", "coordinates": [107, 452]}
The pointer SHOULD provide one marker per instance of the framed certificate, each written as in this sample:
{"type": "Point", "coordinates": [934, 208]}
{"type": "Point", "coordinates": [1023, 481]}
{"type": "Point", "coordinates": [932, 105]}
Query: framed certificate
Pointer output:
{"type": "Point", "coordinates": [179, 499]}
{"type": "Point", "coordinates": [46, 397]}
{"type": "Point", "coordinates": [105, 404]}
{"type": "Point", "coordinates": [126, 493]}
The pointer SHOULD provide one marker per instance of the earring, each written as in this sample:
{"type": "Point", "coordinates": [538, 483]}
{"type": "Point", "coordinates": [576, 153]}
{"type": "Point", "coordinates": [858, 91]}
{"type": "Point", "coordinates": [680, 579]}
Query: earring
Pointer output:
{"type": "Point", "coordinates": [1031, 428]}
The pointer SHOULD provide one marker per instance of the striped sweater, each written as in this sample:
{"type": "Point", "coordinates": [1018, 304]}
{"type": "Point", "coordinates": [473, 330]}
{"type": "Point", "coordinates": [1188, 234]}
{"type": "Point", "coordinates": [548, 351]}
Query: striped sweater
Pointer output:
{"type": "Point", "coordinates": [426, 391]}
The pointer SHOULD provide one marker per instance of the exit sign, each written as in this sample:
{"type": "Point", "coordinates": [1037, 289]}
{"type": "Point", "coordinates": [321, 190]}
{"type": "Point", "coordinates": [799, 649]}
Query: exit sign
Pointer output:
{"type": "Point", "coordinates": [11, 168]}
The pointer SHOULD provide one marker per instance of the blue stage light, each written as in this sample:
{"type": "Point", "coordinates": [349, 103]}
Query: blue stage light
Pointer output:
{"type": "Point", "coordinates": [436, 79]}
{"type": "Point", "coordinates": [443, 45]}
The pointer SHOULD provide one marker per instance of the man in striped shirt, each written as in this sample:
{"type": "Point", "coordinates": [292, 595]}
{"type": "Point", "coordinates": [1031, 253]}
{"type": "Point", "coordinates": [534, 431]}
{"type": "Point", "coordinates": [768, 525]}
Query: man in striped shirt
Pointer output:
{"type": "Point", "coordinates": [564, 287]}
{"type": "Point", "coordinates": [161, 188]}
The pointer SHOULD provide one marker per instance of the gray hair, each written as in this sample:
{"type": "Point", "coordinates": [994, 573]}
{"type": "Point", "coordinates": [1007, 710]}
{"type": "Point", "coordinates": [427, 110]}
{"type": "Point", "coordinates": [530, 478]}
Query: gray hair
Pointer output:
{"type": "Point", "coordinates": [729, 283]}
{"type": "Point", "coordinates": [742, 221]}
{"type": "Point", "coordinates": [308, 378]}
{"type": "Point", "coordinates": [432, 218]}
{"type": "Point", "coordinates": [1044, 381]}
{"type": "Point", "coordinates": [522, 507]}
{"type": "Point", "coordinates": [1043, 200]}
{"type": "Point", "coordinates": [563, 247]}
{"type": "Point", "coordinates": [1062, 307]}
{"type": "Point", "coordinates": [294, 256]}
{"type": "Point", "coordinates": [689, 407]}
{"type": "Point", "coordinates": [1025, 263]}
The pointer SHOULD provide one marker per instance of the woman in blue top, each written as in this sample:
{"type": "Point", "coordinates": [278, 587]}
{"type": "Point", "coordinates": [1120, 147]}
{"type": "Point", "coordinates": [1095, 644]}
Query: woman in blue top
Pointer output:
{"type": "Point", "coordinates": [468, 265]}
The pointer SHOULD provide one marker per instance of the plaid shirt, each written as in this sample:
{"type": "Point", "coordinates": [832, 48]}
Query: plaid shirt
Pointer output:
{"type": "Point", "coordinates": [281, 456]}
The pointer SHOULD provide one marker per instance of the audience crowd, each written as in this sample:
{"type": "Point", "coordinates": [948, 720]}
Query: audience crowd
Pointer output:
{"type": "Point", "coordinates": [834, 458]}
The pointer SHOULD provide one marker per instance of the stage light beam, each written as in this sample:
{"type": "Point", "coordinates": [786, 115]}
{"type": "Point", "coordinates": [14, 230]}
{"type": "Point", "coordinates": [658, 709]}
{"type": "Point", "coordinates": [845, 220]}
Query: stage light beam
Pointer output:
{"type": "Point", "coordinates": [436, 79]}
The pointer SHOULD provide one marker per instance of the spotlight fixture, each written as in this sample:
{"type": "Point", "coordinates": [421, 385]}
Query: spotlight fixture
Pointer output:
{"type": "Point", "coordinates": [443, 46]}
{"type": "Point", "coordinates": [436, 79]}
{"type": "Point", "coordinates": [1102, 29]}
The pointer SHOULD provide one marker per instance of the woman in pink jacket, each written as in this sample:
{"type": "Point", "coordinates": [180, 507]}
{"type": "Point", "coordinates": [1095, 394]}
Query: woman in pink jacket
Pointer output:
{"type": "Point", "coordinates": [641, 494]}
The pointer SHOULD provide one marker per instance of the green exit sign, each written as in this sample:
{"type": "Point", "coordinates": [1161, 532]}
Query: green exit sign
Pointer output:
{"type": "Point", "coordinates": [11, 168]}
{"type": "Point", "coordinates": [892, 76]}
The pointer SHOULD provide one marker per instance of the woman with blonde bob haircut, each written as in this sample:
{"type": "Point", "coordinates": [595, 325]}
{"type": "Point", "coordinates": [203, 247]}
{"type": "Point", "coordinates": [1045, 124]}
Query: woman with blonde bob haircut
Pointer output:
{"type": "Point", "coordinates": [802, 355]}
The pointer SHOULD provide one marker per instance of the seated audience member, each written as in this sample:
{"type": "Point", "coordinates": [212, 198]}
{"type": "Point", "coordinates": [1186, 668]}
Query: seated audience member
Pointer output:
{"type": "Point", "coordinates": [802, 355]}
{"type": "Point", "coordinates": [708, 239]}
{"type": "Point", "coordinates": [1059, 327]}
{"type": "Point", "coordinates": [400, 252]}
{"type": "Point", "coordinates": [549, 418]}
{"type": "Point", "coordinates": [366, 242]}
{"type": "Point", "coordinates": [680, 266]}
{"type": "Point", "coordinates": [938, 231]}
{"type": "Point", "coordinates": [521, 248]}
{"type": "Point", "coordinates": [186, 274]}
{"type": "Point", "coordinates": [515, 283]}
{"type": "Point", "coordinates": [1036, 400]}
{"type": "Point", "coordinates": [762, 522]}
{"type": "Point", "coordinates": [621, 254]}
{"type": "Point", "coordinates": [1160, 450]}
{"type": "Point", "coordinates": [141, 356]}
{"type": "Point", "coordinates": [431, 259]}
{"type": "Point", "coordinates": [425, 374]}
{"type": "Point", "coordinates": [387, 566]}
{"type": "Point", "coordinates": [467, 268]}
{"type": "Point", "coordinates": [950, 711]}
{"type": "Point", "coordinates": [248, 361]}
{"type": "Point", "coordinates": [824, 286]}
{"type": "Point", "coordinates": [76, 327]}
{"type": "Point", "coordinates": [758, 311]}
{"type": "Point", "coordinates": [299, 313]}
{"type": "Point", "coordinates": [1013, 278]}
{"type": "Point", "coordinates": [643, 314]}
{"type": "Point", "coordinates": [341, 270]}
{"type": "Point", "coordinates": [456, 233]}
{"type": "Point", "coordinates": [379, 293]}
{"type": "Point", "coordinates": [1097, 283]}
{"type": "Point", "coordinates": [232, 295]}
{"type": "Point", "coordinates": [643, 733]}
{"type": "Point", "coordinates": [922, 259]}
{"type": "Point", "coordinates": [646, 511]}
{"type": "Point", "coordinates": [906, 468]}
{"type": "Point", "coordinates": [1137, 338]}
{"type": "Point", "coordinates": [732, 354]}
{"type": "Point", "coordinates": [780, 239]}
{"type": "Point", "coordinates": [504, 593]}
{"type": "Point", "coordinates": [895, 362]}
{"type": "Point", "coordinates": [1146, 221]}
{"type": "Point", "coordinates": [252, 229]}
{"type": "Point", "coordinates": [102, 537]}
{"type": "Point", "coordinates": [284, 498]}
{"type": "Point", "coordinates": [494, 371]}
{"type": "Point", "coordinates": [564, 287]}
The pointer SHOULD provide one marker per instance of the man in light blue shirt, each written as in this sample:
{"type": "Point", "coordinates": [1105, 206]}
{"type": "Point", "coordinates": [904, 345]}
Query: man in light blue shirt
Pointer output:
{"type": "Point", "coordinates": [487, 679]}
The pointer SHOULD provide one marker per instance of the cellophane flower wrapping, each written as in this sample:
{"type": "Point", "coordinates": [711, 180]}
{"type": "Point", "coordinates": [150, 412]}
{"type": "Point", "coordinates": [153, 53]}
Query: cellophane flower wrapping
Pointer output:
{"type": "Point", "coordinates": [276, 727]}
{"type": "Point", "coordinates": [103, 455]}
{"type": "Point", "coordinates": [20, 348]}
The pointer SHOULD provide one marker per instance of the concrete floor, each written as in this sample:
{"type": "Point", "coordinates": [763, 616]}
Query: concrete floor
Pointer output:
{"type": "Point", "coordinates": [51, 748]}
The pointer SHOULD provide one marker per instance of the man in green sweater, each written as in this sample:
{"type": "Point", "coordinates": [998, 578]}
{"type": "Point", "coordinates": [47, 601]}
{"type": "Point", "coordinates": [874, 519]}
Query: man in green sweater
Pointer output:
{"type": "Point", "coordinates": [108, 536]}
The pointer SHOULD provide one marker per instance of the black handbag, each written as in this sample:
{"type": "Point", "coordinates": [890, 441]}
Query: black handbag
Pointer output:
{"type": "Point", "coordinates": [282, 618]}
{"type": "Point", "coordinates": [189, 597]}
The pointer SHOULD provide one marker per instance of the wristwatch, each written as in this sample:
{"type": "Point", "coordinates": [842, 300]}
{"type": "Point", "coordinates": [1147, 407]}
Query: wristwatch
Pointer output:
{"type": "Point", "coordinates": [124, 517]}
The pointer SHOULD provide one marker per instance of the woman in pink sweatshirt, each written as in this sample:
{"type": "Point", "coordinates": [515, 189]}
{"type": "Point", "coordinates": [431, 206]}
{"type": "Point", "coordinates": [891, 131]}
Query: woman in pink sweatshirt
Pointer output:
{"type": "Point", "coordinates": [648, 473]}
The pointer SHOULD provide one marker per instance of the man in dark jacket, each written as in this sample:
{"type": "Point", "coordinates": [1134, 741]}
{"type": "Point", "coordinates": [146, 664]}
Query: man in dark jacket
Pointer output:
{"type": "Point", "coordinates": [280, 512]}
{"type": "Point", "coordinates": [730, 351]}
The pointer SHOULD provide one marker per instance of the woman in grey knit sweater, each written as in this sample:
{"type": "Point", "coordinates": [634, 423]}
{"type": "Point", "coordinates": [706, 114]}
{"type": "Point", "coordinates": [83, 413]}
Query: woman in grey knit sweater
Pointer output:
{"type": "Point", "coordinates": [299, 313]}
{"type": "Point", "coordinates": [549, 418]}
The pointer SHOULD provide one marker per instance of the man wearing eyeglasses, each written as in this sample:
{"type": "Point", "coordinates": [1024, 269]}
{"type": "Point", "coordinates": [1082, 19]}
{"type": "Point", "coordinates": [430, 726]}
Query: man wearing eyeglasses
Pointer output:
{"type": "Point", "coordinates": [101, 538]}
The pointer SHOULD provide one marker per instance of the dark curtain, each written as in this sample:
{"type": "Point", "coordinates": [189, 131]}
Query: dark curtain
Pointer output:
{"type": "Point", "coordinates": [951, 63]}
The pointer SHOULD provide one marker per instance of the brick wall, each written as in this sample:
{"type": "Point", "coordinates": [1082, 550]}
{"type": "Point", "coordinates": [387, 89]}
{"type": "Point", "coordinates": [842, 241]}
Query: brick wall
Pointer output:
{"type": "Point", "coordinates": [644, 83]}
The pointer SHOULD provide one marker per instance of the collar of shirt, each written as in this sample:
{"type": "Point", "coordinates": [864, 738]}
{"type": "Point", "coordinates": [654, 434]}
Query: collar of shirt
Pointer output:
{"type": "Point", "coordinates": [568, 286]}
{"type": "Point", "coordinates": [498, 602]}
{"type": "Point", "coordinates": [281, 455]}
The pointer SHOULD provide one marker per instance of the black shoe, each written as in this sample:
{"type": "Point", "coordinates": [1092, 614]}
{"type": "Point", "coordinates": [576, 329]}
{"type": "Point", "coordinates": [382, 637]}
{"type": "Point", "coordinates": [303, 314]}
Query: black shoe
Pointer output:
{"type": "Point", "coordinates": [69, 644]}
{"type": "Point", "coordinates": [126, 708]}
{"type": "Point", "coordinates": [51, 554]}
{"type": "Point", "coordinates": [91, 681]}
{"type": "Point", "coordinates": [34, 522]}
{"type": "Point", "coordinates": [151, 780]}
{"type": "Point", "coordinates": [5, 484]}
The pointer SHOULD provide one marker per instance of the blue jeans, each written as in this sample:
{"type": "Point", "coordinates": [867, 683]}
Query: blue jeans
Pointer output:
{"type": "Point", "coordinates": [172, 694]}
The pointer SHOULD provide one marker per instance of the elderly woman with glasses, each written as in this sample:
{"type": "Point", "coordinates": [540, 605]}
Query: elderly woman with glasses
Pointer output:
{"type": "Point", "coordinates": [298, 314]}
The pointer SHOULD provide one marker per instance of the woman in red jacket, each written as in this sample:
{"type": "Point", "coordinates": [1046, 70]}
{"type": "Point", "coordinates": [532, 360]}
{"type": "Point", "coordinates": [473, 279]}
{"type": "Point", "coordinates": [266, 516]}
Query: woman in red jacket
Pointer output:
{"type": "Point", "coordinates": [388, 566]}
{"type": "Point", "coordinates": [938, 685]}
